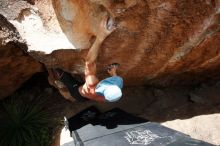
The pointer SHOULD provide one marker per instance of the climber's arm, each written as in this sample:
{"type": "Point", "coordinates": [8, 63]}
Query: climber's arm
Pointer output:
{"type": "Point", "coordinates": [94, 50]}
{"type": "Point", "coordinates": [90, 64]}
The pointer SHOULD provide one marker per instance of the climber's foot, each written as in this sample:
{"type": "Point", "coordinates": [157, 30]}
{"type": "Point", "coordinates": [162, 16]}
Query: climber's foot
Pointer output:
{"type": "Point", "coordinates": [112, 69]}
{"type": "Point", "coordinates": [58, 74]}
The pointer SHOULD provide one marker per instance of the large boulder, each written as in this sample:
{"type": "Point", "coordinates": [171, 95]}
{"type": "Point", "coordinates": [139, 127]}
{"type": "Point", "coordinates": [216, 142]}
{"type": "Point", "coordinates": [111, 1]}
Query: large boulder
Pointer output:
{"type": "Point", "coordinates": [156, 42]}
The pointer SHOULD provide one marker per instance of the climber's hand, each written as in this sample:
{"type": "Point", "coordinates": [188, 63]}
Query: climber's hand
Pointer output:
{"type": "Point", "coordinates": [106, 27]}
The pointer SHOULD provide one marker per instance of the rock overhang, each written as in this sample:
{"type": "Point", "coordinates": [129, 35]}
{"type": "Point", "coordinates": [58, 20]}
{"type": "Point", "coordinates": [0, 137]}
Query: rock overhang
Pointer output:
{"type": "Point", "coordinates": [160, 43]}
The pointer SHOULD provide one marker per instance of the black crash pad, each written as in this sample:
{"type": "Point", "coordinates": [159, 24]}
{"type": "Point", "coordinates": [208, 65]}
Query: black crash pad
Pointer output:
{"type": "Point", "coordinates": [118, 128]}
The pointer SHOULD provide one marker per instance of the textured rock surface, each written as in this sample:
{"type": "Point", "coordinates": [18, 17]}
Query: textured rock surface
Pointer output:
{"type": "Point", "coordinates": [25, 26]}
{"type": "Point", "coordinates": [16, 66]}
{"type": "Point", "coordinates": [156, 42]}
{"type": "Point", "coordinates": [205, 127]}
{"type": "Point", "coordinates": [159, 42]}
{"type": "Point", "coordinates": [38, 26]}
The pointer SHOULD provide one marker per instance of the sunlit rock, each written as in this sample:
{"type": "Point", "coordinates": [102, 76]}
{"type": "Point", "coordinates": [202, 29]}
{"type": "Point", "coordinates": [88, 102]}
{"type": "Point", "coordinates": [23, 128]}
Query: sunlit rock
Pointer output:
{"type": "Point", "coordinates": [173, 42]}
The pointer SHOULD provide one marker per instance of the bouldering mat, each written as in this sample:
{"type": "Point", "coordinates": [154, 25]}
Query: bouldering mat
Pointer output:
{"type": "Point", "coordinates": [118, 128]}
{"type": "Point", "coordinates": [88, 115]}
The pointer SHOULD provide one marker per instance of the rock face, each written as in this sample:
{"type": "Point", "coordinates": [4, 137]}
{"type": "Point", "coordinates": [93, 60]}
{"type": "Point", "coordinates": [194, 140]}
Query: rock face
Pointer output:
{"type": "Point", "coordinates": [16, 66]}
{"type": "Point", "coordinates": [157, 42]}
{"type": "Point", "coordinates": [171, 42]}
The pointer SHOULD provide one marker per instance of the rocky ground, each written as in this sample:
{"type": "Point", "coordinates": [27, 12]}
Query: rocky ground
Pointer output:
{"type": "Point", "coordinates": [203, 127]}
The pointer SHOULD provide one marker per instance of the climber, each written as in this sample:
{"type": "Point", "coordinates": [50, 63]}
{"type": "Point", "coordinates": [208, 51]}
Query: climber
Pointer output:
{"type": "Point", "coordinates": [108, 89]}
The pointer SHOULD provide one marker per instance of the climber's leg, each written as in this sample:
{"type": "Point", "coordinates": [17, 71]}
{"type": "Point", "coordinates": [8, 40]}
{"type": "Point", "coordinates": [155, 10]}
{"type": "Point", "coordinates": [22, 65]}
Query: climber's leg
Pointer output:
{"type": "Point", "coordinates": [71, 84]}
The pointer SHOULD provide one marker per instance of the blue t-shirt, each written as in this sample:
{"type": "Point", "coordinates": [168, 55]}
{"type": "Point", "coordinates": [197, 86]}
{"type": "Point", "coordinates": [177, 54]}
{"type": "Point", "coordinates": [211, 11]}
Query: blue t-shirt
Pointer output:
{"type": "Point", "coordinates": [110, 88]}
